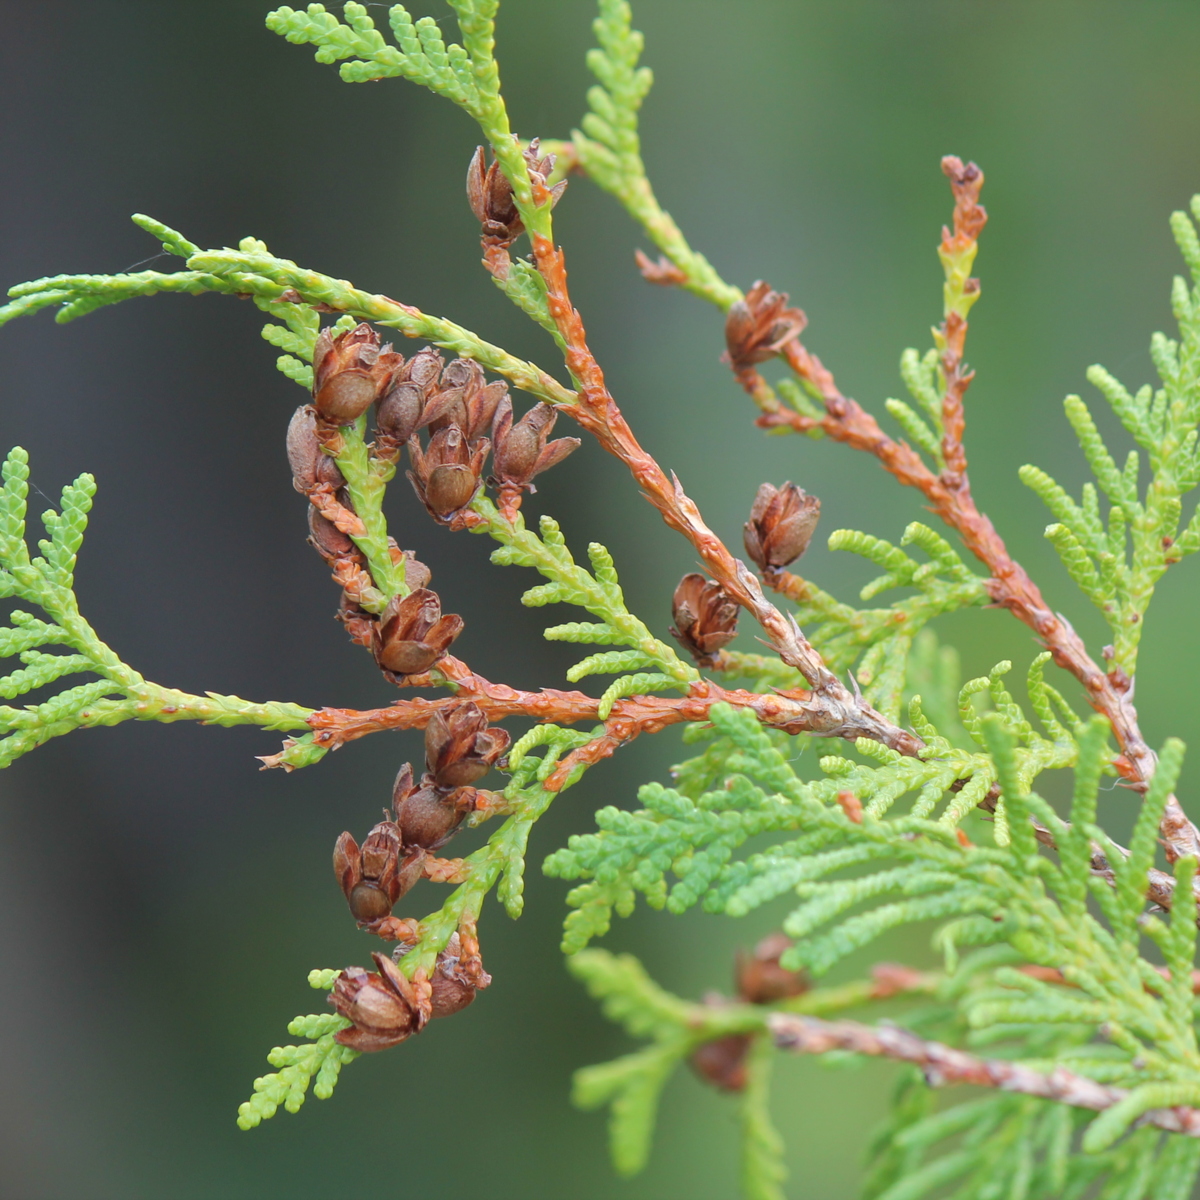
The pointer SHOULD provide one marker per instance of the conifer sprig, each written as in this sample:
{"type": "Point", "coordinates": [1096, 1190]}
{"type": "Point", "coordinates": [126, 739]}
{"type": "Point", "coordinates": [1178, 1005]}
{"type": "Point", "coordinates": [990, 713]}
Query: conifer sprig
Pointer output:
{"type": "Point", "coordinates": [269, 281]}
{"type": "Point", "coordinates": [1051, 958]}
{"type": "Point", "coordinates": [536, 780]}
{"type": "Point", "coordinates": [1116, 559]}
{"type": "Point", "coordinates": [64, 644]}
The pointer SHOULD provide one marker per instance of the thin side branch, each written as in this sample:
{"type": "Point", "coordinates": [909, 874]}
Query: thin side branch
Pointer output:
{"type": "Point", "coordinates": [943, 1065]}
{"type": "Point", "coordinates": [795, 712]}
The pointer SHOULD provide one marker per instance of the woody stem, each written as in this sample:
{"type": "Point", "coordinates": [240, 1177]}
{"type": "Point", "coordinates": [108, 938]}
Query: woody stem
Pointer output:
{"type": "Point", "coordinates": [944, 1065]}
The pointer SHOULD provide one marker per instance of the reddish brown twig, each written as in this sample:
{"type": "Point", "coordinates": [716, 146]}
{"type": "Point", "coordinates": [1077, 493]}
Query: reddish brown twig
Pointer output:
{"type": "Point", "coordinates": [957, 253]}
{"type": "Point", "coordinates": [597, 412]}
{"type": "Point", "coordinates": [794, 712]}
{"type": "Point", "coordinates": [943, 1065]}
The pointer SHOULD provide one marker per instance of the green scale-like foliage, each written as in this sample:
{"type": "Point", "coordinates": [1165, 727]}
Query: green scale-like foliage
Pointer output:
{"type": "Point", "coordinates": [1118, 1021]}
{"type": "Point", "coordinates": [1117, 559]}
{"type": "Point", "coordinates": [62, 644]}
{"type": "Point", "coordinates": [743, 785]}
{"type": "Point", "coordinates": [877, 642]}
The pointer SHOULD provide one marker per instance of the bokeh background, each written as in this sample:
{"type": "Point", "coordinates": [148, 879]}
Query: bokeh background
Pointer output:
{"type": "Point", "coordinates": [160, 901]}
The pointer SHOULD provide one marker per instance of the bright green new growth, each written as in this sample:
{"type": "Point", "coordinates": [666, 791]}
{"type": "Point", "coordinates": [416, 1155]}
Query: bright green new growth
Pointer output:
{"type": "Point", "coordinates": [877, 643]}
{"type": "Point", "coordinates": [657, 665]}
{"type": "Point", "coordinates": [1117, 560]}
{"type": "Point", "coordinates": [317, 1062]}
{"type": "Point", "coordinates": [47, 581]}
{"type": "Point", "coordinates": [862, 839]}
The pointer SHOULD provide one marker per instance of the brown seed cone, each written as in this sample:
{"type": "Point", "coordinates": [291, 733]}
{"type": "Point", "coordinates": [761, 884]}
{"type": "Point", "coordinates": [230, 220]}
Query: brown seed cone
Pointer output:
{"type": "Point", "coordinates": [705, 617]}
{"type": "Point", "coordinates": [376, 875]}
{"type": "Point", "coordinates": [424, 368]}
{"type": "Point", "coordinates": [400, 409]}
{"type": "Point", "coordinates": [782, 522]}
{"type": "Point", "coordinates": [759, 977]}
{"type": "Point", "coordinates": [385, 1009]}
{"type": "Point", "coordinates": [520, 450]}
{"type": "Point", "coordinates": [454, 984]}
{"type": "Point", "coordinates": [722, 1062]}
{"type": "Point", "coordinates": [490, 195]}
{"type": "Point", "coordinates": [402, 402]}
{"type": "Point", "coordinates": [460, 748]}
{"type": "Point", "coordinates": [426, 815]}
{"type": "Point", "coordinates": [416, 574]}
{"type": "Point", "coordinates": [448, 473]}
{"type": "Point", "coordinates": [327, 539]}
{"type": "Point", "coordinates": [412, 634]}
{"type": "Point", "coordinates": [465, 400]}
{"type": "Point", "coordinates": [311, 466]}
{"type": "Point", "coordinates": [759, 326]}
{"type": "Point", "coordinates": [349, 371]}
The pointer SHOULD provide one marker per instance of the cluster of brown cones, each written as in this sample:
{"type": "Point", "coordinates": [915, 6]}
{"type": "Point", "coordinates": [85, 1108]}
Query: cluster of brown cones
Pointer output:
{"type": "Point", "coordinates": [460, 748]}
{"type": "Point", "coordinates": [456, 405]}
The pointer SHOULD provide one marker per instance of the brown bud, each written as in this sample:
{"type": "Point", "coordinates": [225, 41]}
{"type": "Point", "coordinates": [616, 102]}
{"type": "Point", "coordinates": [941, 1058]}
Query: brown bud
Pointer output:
{"type": "Point", "coordinates": [705, 617]}
{"type": "Point", "coordinates": [427, 816]}
{"type": "Point", "coordinates": [385, 1009]}
{"type": "Point", "coordinates": [376, 875]}
{"type": "Point", "coordinates": [760, 978]}
{"type": "Point", "coordinates": [447, 474]}
{"type": "Point", "coordinates": [412, 634]}
{"type": "Point", "coordinates": [759, 326]}
{"type": "Point", "coordinates": [722, 1062]}
{"type": "Point", "coordinates": [460, 747]}
{"type": "Point", "coordinates": [520, 450]}
{"type": "Point", "coordinates": [781, 525]}
{"type": "Point", "coordinates": [311, 466]}
{"type": "Point", "coordinates": [491, 197]}
{"type": "Point", "coordinates": [349, 371]}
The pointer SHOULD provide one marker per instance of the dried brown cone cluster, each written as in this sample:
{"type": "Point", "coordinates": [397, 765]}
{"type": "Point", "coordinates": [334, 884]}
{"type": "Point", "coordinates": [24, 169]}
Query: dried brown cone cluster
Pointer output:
{"type": "Point", "coordinates": [782, 522]}
{"type": "Point", "coordinates": [386, 1008]}
{"type": "Point", "coordinates": [460, 749]}
{"type": "Point", "coordinates": [759, 979]}
{"type": "Point", "coordinates": [705, 617]}
{"type": "Point", "coordinates": [454, 401]}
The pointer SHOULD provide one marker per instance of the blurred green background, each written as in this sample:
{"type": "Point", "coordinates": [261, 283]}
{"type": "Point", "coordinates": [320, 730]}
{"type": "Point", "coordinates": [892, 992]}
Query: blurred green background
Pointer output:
{"type": "Point", "coordinates": [160, 901]}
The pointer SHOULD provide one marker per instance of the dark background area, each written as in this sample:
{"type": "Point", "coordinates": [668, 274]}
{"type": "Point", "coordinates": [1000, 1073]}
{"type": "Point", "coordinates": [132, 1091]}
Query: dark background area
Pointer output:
{"type": "Point", "coordinates": [161, 902]}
